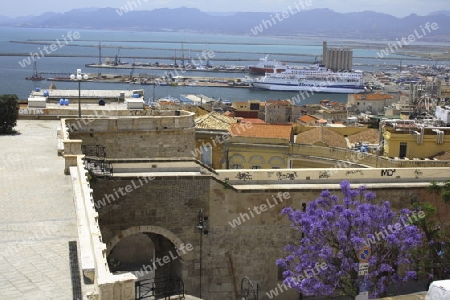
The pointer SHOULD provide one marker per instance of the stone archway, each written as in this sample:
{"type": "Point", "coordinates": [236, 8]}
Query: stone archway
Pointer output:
{"type": "Point", "coordinates": [142, 229]}
{"type": "Point", "coordinates": [133, 251]}
{"type": "Point", "coordinates": [146, 251]}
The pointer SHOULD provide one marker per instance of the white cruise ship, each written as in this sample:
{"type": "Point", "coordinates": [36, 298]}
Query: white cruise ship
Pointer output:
{"type": "Point", "coordinates": [316, 79]}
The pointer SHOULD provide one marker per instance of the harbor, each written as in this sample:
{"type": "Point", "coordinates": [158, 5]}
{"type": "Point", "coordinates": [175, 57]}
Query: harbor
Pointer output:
{"type": "Point", "coordinates": [160, 130]}
{"type": "Point", "coordinates": [158, 67]}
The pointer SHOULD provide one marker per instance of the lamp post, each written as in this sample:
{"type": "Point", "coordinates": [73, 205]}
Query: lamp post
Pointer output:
{"type": "Point", "coordinates": [79, 77]}
{"type": "Point", "coordinates": [202, 227]}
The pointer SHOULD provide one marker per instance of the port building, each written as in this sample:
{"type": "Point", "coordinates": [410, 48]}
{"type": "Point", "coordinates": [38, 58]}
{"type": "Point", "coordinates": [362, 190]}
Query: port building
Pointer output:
{"type": "Point", "coordinates": [337, 59]}
{"type": "Point", "coordinates": [86, 96]}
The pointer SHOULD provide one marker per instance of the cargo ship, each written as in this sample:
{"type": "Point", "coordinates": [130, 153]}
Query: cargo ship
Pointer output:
{"type": "Point", "coordinates": [267, 66]}
{"type": "Point", "coordinates": [316, 79]}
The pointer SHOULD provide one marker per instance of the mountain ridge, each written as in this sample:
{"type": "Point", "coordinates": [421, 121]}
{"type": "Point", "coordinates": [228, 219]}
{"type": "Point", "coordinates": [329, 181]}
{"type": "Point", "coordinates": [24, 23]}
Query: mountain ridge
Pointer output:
{"type": "Point", "coordinates": [314, 22]}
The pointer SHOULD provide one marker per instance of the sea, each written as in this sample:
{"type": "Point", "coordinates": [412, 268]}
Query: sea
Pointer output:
{"type": "Point", "coordinates": [73, 48]}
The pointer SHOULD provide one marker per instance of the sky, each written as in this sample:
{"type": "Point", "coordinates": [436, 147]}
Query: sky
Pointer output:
{"type": "Point", "coordinates": [399, 8]}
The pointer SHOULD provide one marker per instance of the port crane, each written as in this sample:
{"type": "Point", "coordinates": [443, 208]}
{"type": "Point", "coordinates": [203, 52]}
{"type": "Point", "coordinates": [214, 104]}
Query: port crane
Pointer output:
{"type": "Point", "coordinates": [116, 57]}
{"type": "Point", "coordinates": [36, 75]}
{"type": "Point", "coordinates": [132, 70]}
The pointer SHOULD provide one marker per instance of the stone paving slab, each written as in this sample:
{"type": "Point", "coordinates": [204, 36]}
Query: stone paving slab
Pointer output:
{"type": "Point", "coordinates": [37, 215]}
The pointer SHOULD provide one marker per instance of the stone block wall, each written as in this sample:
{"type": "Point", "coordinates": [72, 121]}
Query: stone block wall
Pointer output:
{"type": "Point", "coordinates": [170, 203]}
{"type": "Point", "coordinates": [258, 242]}
{"type": "Point", "coordinates": [133, 137]}
{"type": "Point", "coordinates": [228, 253]}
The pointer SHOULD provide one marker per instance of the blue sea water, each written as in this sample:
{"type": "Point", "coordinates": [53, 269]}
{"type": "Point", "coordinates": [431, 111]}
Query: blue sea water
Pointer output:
{"type": "Point", "coordinates": [245, 50]}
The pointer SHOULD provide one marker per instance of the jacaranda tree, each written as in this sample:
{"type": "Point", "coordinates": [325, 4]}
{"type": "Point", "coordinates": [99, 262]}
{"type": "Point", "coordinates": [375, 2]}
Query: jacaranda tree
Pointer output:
{"type": "Point", "coordinates": [333, 231]}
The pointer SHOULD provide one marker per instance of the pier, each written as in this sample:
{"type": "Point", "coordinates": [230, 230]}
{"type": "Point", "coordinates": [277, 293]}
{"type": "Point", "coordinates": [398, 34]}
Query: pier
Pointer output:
{"type": "Point", "coordinates": [186, 68]}
{"type": "Point", "coordinates": [146, 79]}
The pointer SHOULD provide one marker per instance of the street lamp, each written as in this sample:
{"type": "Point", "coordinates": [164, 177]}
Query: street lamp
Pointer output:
{"type": "Point", "coordinates": [202, 227]}
{"type": "Point", "coordinates": [79, 77]}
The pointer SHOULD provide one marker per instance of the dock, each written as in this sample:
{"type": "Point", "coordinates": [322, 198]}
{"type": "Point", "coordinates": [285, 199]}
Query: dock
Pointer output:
{"type": "Point", "coordinates": [179, 68]}
{"type": "Point", "coordinates": [146, 79]}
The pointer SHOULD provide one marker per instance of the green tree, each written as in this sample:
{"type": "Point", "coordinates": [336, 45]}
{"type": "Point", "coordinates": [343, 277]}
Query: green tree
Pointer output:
{"type": "Point", "coordinates": [434, 257]}
{"type": "Point", "coordinates": [9, 112]}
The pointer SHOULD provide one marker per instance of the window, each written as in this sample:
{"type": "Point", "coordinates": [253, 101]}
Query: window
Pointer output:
{"type": "Point", "coordinates": [256, 167]}
{"type": "Point", "coordinates": [236, 166]}
{"type": "Point", "coordinates": [403, 148]}
{"type": "Point", "coordinates": [206, 155]}
{"type": "Point", "coordinates": [254, 106]}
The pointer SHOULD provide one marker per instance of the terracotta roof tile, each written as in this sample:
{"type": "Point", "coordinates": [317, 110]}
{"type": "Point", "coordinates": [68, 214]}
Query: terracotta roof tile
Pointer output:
{"type": "Point", "coordinates": [278, 102]}
{"type": "Point", "coordinates": [370, 135]}
{"type": "Point", "coordinates": [443, 155]}
{"type": "Point", "coordinates": [253, 120]}
{"type": "Point", "coordinates": [262, 130]}
{"type": "Point", "coordinates": [314, 136]}
{"type": "Point", "coordinates": [214, 120]}
{"type": "Point", "coordinates": [373, 97]}
{"type": "Point", "coordinates": [307, 119]}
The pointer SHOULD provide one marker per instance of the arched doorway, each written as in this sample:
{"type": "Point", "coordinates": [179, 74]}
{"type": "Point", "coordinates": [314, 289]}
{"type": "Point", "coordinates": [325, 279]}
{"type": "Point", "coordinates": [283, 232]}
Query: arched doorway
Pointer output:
{"type": "Point", "coordinates": [132, 254]}
{"type": "Point", "coordinates": [146, 251]}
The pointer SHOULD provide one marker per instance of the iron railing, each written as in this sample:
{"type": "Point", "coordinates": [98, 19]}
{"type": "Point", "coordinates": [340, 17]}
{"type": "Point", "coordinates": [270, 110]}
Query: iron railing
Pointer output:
{"type": "Point", "coordinates": [99, 166]}
{"type": "Point", "coordinates": [94, 150]}
{"type": "Point", "coordinates": [160, 288]}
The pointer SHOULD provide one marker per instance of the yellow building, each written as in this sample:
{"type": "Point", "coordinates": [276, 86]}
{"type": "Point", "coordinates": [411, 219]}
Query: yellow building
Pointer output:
{"type": "Point", "coordinates": [224, 143]}
{"type": "Point", "coordinates": [250, 105]}
{"type": "Point", "coordinates": [259, 146]}
{"type": "Point", "coordinates": [444, 91]}
{"type": "Point", "coordinates": [374, 103]}
{"type": "Point", "coordinates": [212, 131]}
{"type": "Point", "coordinates": [411, 140]}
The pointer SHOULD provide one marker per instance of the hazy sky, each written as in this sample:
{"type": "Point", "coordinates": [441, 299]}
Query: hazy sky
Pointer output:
{"type": "Point", "coordinates": [398, 8]}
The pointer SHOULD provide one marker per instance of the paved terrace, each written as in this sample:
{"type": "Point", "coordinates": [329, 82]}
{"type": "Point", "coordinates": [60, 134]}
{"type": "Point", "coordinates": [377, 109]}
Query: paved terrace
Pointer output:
{"type": "Point", "coordinates": [38, 217]}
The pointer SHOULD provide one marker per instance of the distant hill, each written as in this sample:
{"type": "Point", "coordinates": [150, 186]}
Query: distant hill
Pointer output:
{"type": "Point", "coordinates": [27, 21]}
{"type": "Point", "coordinates": [440, 12]}
{"type": "Point", "coordinates": [315, 22]}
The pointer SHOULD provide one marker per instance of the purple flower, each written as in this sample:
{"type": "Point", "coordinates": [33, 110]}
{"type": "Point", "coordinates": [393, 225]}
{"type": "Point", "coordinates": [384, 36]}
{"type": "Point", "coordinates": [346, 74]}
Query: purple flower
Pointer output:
{"type": "Point", "coordinates": [335, 230]}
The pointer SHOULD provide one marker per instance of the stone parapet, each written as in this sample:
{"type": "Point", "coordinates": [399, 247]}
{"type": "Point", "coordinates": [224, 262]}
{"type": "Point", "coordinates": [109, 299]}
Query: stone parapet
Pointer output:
{"type": "Point", "coordinates": [332, 175]}
{"type": "Point", "coordinates": [94, 263]}
{"type": "Point", "coordinates": [343, 156]}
